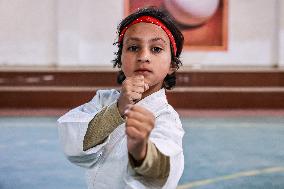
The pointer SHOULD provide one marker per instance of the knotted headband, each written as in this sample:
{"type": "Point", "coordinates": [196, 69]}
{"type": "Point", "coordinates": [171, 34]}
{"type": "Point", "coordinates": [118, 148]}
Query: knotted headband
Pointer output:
{"type": "Point", "coordinates": [149, 19]}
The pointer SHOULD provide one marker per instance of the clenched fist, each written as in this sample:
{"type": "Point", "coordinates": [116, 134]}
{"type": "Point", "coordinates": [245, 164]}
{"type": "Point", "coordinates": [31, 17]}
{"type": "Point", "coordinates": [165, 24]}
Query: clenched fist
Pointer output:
{"type": "Point", "coordinates": [131, 92]}
{"type": "Point", "coordinates": [139, 124]}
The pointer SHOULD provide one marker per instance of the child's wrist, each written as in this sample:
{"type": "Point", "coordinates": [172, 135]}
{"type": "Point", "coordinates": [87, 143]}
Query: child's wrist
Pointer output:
{"type": "Point", "coordinates": [139, 155]}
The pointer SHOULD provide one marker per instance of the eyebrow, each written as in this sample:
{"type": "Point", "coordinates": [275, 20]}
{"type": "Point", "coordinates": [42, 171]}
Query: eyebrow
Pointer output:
{"type": "Point", "coordinates": [132, 39]}
{"type": "Point", "coordinates": [151, 40]}
{"type": "Point", "coordinates": [158, 39]}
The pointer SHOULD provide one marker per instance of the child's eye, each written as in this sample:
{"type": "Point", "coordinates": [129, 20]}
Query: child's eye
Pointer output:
{"type": "Point", "coordinates": [133, 48]}
{"type": "Point", "coordinates": [156, 49]}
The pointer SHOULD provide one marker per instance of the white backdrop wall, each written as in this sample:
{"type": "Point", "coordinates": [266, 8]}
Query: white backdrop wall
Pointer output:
{"type": "Point", "coordinates": [27, 32]}
{"type": "Point", "coordinates": [81, 33]}
{"type": "Point", "coordinates": [281, 33]}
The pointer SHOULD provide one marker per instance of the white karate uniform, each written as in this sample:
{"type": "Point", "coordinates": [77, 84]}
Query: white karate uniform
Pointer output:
{"type": "Point", "coordinates": [107, 164]}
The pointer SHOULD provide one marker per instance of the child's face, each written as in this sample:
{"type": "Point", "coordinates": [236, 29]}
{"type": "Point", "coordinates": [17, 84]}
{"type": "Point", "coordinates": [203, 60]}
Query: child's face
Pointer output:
{"type": "Point", "coordinates": [146, 51]}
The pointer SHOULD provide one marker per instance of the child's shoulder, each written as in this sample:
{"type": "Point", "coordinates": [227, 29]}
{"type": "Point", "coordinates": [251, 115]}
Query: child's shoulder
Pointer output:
{"type": "Point", "coordinates": [169, 113]}
{"type": "Point", "coordinates": [168, 123]}
{"type": "Point", "coordinates": [169, 110]}
{"type": "Point", "coordinates": [172, 110]}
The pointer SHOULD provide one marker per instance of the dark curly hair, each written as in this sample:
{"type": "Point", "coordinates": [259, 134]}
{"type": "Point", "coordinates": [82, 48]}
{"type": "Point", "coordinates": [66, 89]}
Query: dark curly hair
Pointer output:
{"type": "Point", "coordinates": [163, 16]}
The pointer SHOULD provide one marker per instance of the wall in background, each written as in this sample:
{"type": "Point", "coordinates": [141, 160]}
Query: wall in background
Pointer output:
{"type": "Point", "coordinates": [81, 33]}
{"type": "Point", "coordinates": [280, 39]}
{"type": "Point", "coordinates": [28, 32]}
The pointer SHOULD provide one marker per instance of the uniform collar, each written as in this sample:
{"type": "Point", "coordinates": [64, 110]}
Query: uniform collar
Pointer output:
{"type": "Point", "coordinates": [154, 102]}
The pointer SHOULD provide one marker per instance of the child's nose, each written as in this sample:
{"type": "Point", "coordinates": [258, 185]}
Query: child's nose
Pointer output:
{"type": "Point", "coordinates": [144, 56]}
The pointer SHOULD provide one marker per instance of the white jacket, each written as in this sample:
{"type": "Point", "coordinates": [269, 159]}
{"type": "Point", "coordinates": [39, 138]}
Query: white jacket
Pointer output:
{"type": "Point", "coordinates": [107, 163]}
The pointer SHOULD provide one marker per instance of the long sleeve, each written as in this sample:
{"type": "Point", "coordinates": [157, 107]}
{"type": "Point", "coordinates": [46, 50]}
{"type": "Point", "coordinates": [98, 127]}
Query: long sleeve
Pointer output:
{"type": "Point", "coordinates": [167, 139]}
{"type": "Point", "coordinates": [102, 125]}
{"type": "Point", "coordinates": [155, 165]}
{"type": "Point", "coordinates": [73, 125]}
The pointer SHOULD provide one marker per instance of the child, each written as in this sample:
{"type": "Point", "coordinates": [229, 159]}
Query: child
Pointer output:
{"type": "Point", "coordinates": [132, 138]}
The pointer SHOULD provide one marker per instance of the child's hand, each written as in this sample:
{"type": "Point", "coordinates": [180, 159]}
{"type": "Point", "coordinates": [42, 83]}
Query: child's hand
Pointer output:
{"type": "Point", "coordinates": [131, 91]}
{"type": "Point", "coordinates": [139, 124]}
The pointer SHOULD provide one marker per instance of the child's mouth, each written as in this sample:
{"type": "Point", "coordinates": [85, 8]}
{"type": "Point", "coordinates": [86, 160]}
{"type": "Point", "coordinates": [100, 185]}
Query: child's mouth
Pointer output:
{"type": "Point", "coordinates": [142, 71]}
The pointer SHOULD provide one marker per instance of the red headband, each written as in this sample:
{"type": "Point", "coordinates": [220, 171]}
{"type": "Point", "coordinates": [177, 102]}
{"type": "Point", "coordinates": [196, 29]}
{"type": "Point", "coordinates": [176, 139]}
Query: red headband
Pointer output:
{"type": "Point", "coordinates": [149, 19]}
